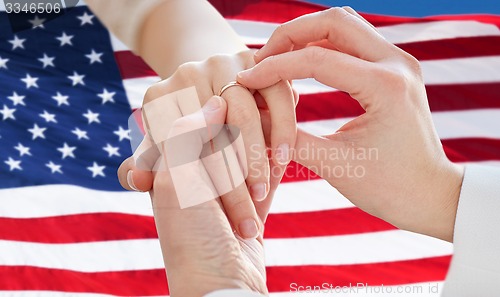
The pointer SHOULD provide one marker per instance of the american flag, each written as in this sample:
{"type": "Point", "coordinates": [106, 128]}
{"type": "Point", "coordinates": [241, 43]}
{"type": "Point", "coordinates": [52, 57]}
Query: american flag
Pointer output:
{"type": "Point", "coordinates": [68, 229]}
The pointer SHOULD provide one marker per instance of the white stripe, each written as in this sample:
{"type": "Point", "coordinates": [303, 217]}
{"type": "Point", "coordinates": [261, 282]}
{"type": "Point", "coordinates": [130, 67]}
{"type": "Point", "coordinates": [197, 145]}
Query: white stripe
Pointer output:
{"type": "Point", "coordinates": [436, 72]}
{"type": "Point", "coordinates": [311, 195]}
{"type": "Point", "coordinates": [394, 245]}
{"type": "Point", "coordinates": [462, 70]}
{"type": "Point", "coordinates": [136, 88]}
{"type": "Point", "coordinates": [54, 200]}
{"type": "Point", "coordinates": [59, 200]}
{"type": "Point", "coordinates": [480, 123]}
{"type": "Point", "coordinates": [116, 44]}
{"type": "Point", "coordinates": [143, 254]}
{"type": "Point", "coordinates": [254, 32]}
{"type": "Point", "coordinates": [412, 290]}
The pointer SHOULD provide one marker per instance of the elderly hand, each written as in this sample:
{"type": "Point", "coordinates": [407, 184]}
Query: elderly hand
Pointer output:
{"type": "Point", "coordinates": [201, 252]}
{"type": "Point", "coordinates": [403, 175]}
{"type": "Point", "coordinates": [277, 100]}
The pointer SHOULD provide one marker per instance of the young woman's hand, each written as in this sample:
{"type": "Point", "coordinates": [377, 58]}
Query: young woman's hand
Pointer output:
{"type": "Point", "coordinates": [388, 161]}
{"type": "Point", "coordinates": [244, 107]}
{"type": "Point", "coordinates": [201, 252]}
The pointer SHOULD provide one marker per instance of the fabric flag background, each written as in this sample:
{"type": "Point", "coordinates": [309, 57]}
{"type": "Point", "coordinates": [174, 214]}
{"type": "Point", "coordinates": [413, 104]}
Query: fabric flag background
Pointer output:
{"type": "Point", "coordinates": [67, 228]}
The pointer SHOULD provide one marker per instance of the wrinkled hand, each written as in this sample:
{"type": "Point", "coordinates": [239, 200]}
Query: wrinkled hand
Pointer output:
{"type": "Point", "coordinates": [200, 250]}
{"type": "Point", "coordinates": [403, 174]}
{"type": "Point", "coordinates": [277, 102]}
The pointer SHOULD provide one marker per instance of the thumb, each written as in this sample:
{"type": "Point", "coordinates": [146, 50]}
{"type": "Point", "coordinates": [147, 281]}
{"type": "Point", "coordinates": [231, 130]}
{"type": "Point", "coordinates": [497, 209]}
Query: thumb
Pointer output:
{"type": "Point", "coordinates": [317, 153]}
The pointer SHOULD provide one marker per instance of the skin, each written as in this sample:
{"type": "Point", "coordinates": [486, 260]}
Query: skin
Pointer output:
{"type": "Point", "coordinates": [417, 187]}
{"type": "Point", "coordinates": [186, 30]}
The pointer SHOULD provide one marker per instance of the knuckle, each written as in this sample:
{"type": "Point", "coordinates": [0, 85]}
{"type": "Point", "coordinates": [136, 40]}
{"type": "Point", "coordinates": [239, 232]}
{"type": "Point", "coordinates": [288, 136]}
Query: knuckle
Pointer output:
{"type": "Point", "coordinates": [335, 13]}
{"type": "Point", "coordinates": [187, 72]}
{"type": "Point", "coordinates": [316, 55]}
{"type": "Point", "coordinates": [153, 92]}
{"type": "Point", "coordinates": [242, 116]}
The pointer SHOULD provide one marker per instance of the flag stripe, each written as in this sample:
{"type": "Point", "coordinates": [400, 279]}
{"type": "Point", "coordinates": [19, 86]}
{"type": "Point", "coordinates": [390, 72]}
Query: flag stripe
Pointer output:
{"type": "Point", "coordinates": [104, 256]}
{"type": "Point", "coordinates": [255, 33]}
{"type": "Point", "coordinates": [441, 98]}
{"type": "Point", "coordinates": [479, 123]}
{"type": "Point", "coordinates": [114, 226]}
{"type": "Point", "coordinates": [151, 282]}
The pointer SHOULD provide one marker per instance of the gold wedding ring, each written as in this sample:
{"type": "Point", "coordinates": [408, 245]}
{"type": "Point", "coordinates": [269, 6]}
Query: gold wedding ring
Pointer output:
{"type": "Point", "coordinates": [231, 84]}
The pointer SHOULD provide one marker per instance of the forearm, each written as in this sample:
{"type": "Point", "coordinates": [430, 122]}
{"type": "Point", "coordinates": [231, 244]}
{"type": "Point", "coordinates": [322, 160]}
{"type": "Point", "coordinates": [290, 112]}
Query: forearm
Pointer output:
{"type": "Point", "coordinates": [168, 33]}
{"type": "Point", "coordinates": [179, 31]}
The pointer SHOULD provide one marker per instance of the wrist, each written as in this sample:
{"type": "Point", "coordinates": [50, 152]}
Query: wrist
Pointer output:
{"type": "Point", "coordinates": [440, 203]}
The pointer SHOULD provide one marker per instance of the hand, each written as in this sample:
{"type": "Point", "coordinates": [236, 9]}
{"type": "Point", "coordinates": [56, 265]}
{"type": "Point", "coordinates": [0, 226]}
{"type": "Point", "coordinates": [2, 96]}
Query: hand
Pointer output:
{"type": "Point", "coordinates": [243, 112]}
{"type": "Point", "coordinates": [399, 171]}
{"type": "Point", "coordinates": [200, 250]}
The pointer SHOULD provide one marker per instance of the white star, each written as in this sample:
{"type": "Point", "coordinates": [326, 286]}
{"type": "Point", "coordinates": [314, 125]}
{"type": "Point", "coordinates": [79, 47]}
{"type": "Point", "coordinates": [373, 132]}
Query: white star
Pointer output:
{"type": "Point", "coordinates": [65, 39]}
{"type": "Point", "coordinates": [23, 150]}
{"type": "Point", "coordinates": [96, 170]}
{"type": "Point", "coordinates": [17, 42]}
{"type": "Point", "coordinates": [48, 117]}
{"type": "Point", "coordinates": [94, 57]}
{"type": "Point", "coordinates": [77, 79]}
{"type": "Point", "coordinates": [13, 164]}
{"type": "Point", "coordinates": [80, 133]}
{"type": "Point", "coordinates": [92, 117]}
{"type": "Point", "coordinates": [37, 132]}
{"type": "Point", "coordinates": [7, 113]}
{"type": "Point", "coordinates": [3, 63]}
{"type": "Point", "coordinates": [67, 151]}
{"type": "Point", "coordinates": [112, 150]}
{"type": "Point", "coordinates": [37, 22]}
{"type": "Point", "coordinates": [86, 19]}
{"type": "Point", "coordinates": [106, 96]}
{"type": "Point", "coordinates": [61, 99]}
{"type": "Point", "coordinates": [54, 167]}
{"type": "Point", "coordinates": [122, 133]}
{"type": "Point", "coordinates": [47, 61]}
{"type": "Point", "coordinates": [30, 81]}
{"type": "Point", "coordinates": [17, 99]}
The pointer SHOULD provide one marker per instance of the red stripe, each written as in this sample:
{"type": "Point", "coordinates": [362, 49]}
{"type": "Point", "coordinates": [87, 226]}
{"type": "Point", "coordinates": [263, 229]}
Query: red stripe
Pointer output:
{"type": "Point", "coordinates": [132, 66]}
{"type": "Point", "coordinates": [331, 105]}
{"type": "Point", "coordinates": [153, 282]}
{"type": "Point", "coordinates": [121, 283]}
{"type": "Point", "coordinates": [78, 228]}
{"type": "Point", "coordinates": [323, 223]}
{"type": "Point", "coordinates": [113, 226]}
{"type": "Point", "coordinates": [472, 149]}
{"type": "Point", "coordinates": [453, 48]}
{"type": "Point", "coordinates": [377, 274]}
{"type": "Point", "coordinates": [279, 11]}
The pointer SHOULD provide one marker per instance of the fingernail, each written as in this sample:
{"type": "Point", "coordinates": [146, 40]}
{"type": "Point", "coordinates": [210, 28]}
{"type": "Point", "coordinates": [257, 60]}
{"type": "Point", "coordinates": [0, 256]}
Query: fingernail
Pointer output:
{"type": "Point", "coordinates": [213, 104]}
{"type": "Point", "coordinates": [248, 229]}
{"type": "Point", "coordinates": [283, 154]}
{"type": "Point", "coordinates": [258, 191]}
{"type": "Point", "coordinates": [130, 181]}
{"type": "Point", "coordinates": [243, 73]}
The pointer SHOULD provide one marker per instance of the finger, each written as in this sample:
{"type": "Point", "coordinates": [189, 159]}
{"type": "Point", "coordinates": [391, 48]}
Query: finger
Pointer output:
{"type": "Point", "coordinates": [346, 32]}
{"type": "Point", "coordinates": [275, 175]}
{"type": "Point", "coordinates": [243, 114]}
{"type": "Point", "coordinates": [280, 101]}
{"type": "Point", "coordinates": [333, 68]}
{"type": "Point", "coordinates": [308, 142]}
{"type": "Point", "coordinates": [134, 179]}
{"type": "Point", "coordinates": [356, 14]}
